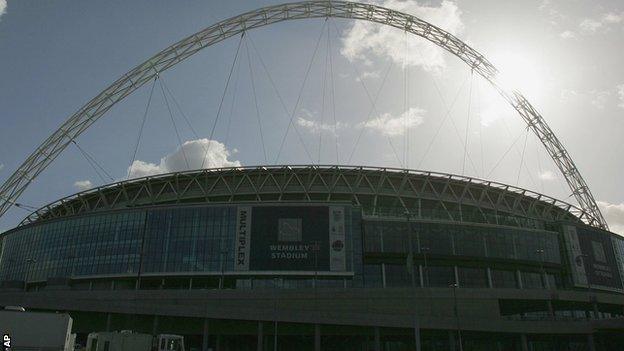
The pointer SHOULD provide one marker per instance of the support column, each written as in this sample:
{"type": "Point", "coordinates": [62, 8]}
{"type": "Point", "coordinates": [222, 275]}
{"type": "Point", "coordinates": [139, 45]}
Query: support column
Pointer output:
{"type": "Point", "coordinates": [317, 337]}
{"type": "Point", "coordinates": [551, 310]}
{"type": "Point", "coordinates": [205, 335]}
{"type": "Point", "coordinates": [155, 325]}
{"type": "Point", "coordinates": [377, 339]}
{"type": "Point", "coordinates": [260, 336]}
{"type": "Point", "coordinates": [108, 321]}
{"type": "Point", "coordinates": [524, 343]}
{"type": "Point", "coordinates": [590, 342]}
{"type": "Point", "coordinates": [452, 342]}
{"type": "Point", "coordinates": [489, 277]}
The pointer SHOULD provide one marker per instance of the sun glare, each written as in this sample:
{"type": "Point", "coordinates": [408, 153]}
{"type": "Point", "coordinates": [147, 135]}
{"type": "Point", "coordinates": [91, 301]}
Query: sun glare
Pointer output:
{"type": "Point", "coordinates": [518, 72]}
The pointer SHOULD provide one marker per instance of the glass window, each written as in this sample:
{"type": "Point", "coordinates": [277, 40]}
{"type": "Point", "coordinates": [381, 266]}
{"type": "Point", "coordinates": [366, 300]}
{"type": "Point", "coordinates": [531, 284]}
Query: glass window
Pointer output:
{"type": "Point", "coordinates": [472, 277]}
{"type": "Point", "coordinates": [397, 275]}
{"type": "Point", "coordinates": [439, 276]}
{"type": "Point", "coordinates": [372, 275]}
{"type": "Point", "coordinates": [503, 279]}
{"type": "Point", "coordinates": [531, 280]}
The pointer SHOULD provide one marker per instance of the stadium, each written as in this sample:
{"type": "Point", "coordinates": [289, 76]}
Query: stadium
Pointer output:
{"type": "Point", "coordinates": [351, 256]}
{"type": "Point", "coordinates": [313, 257]}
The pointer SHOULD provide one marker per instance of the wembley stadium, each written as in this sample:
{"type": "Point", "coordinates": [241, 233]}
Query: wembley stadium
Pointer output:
{"type": "Point", "coordinates": [344, 257]}
{"type": "Point", "coordinates": [317, 257]}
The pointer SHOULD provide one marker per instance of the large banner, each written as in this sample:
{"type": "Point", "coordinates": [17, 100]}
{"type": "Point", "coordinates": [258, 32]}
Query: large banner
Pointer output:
{"type": "Point", "coordinates": [290, 238]}
{"type": "Point", "coordinates": [593, 256]}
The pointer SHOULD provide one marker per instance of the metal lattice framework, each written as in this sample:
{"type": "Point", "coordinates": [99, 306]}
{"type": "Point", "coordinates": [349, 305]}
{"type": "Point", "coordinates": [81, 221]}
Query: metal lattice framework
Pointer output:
{"type": "Point", "coordinates": [387, 192]}
{"type": "Point", "coordinates": [145, 72]}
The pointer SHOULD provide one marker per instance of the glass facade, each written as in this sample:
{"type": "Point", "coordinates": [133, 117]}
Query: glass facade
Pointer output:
{"type": "Point", "coordinates": [450, 239]}
{"type": "Point", "coordinates": [177, 240]}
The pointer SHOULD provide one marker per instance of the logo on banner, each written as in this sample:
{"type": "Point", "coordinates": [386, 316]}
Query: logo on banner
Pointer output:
{"type": "Point", "coordinates": [243, 231]}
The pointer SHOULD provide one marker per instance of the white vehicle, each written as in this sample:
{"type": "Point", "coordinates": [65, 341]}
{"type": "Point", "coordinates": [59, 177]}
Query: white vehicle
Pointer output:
{"type": "Point", "coordinates": [126, 340]}
{"type": "Point", "coordinates": [36, 330]}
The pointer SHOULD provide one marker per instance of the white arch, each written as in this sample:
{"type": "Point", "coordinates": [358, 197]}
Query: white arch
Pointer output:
{"type": "Point", "coordinates": [131, 81]}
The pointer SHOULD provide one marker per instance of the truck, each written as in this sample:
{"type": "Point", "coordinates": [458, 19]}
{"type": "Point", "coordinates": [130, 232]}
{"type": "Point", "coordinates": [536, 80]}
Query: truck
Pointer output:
{"type": "Point", "coordinates": [127, 340]}
{"type": "Point", "coordinates": [26, 330]}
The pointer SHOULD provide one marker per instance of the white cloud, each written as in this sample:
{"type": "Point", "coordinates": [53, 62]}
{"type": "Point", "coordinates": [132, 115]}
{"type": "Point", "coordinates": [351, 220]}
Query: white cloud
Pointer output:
{"type": "Point", "coordinates": [83, 185]}
{"type": "Point", "coordinates": [604, 23]}
{"type": "Point", "coordinates": [589, 25]}
{"type": "Point", "coordinates": [552, 12]}
{"type": "Point", "coordinates": [390, 125]}
{"type": "Point", "coordinates": [614, 214]}
{"type": "Point", "coordinates": [547, 175]}
{"type": "Point", "coordinates": [199, 153]}
{"type": "Point", "coordinates": [365, 40]}
{"type": "Point", "coordinates": [568, 34]}
{"type": "Point", "coordinates": [315, 127]}
{"type": "Point", "coordinates": [599, 98]}
{"type": "Point", "coordinates": [620, 94]}
{"type": "Point", "coordinates": [3, 6]}
{"type": "Point", "coordinates": [1, 166]}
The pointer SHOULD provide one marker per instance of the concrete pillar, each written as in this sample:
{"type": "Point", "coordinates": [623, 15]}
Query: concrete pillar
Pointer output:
{"type": "Point", "coordinates": [377, 339]}
{"type": "Point", "coordinates": [519, 279]}
{"type": "Point", "coordinates": [452, 342]}
{"type": "Point", "coordinates": [524, 343]}
{"type": "Point", "coordinates": [590, 342]}
{"type": "Point", "coordinates": [551, 310]}
{"type": "Point", "coordinates": [205, 335]}
{"type": "Point", "coordinates": [489, 277]}
{"type": "Point", "coordinates": [108, 321]}
{"type": "Point", "coordinates": [155, 325]}
{"type": "Point", "coordinates": [260, 336]}
{"type": "Point", "coordinates": [317, 337]}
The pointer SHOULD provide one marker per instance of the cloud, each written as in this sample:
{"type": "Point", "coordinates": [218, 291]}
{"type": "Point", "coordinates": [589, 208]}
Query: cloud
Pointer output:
{"type": "Point", "coordinates": [614, 214]}
{"type": "Point", "coordinates": [552, 12]}
{"type": "Point", "coordinates": [199, 153]}
{"type": "Point", "coordinates": [316, 127]}
{"type": "Point", "coordinates": [599, 98]}
{"type": "Point", "coordinates": [365, 40]}
{"type": "Point", "coordinates": [567, 34]}
{"type": "Point", "coordinates": [547, 175]}
{"type": "Point", "coordinates": [1, 166]}
{"type": "Point", "coordinates": [390, 125]}
{"type": "Point", "coordinates": [603, 23]}
{"type": "Point", "coordinates": [83, 185]}
{"type": "Point", "coordinates": [620, 93]}
{"type": "Point", "coordinates": [3, 6]}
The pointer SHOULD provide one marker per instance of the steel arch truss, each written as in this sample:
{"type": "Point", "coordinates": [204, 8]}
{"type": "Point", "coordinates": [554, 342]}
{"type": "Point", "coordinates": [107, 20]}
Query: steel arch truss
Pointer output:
{"type": "Point", "coordinates": [387, 192]}
{"type": "Point", "coordinates": [131, 81]}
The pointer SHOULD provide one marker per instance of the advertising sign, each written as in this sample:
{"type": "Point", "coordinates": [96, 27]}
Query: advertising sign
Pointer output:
{"type": "Point", "coordinates": [592, 258]}
{"type": "Point", "coordinates": [290, 238]}
{"type": "Point", "coordinates": [575, 255]}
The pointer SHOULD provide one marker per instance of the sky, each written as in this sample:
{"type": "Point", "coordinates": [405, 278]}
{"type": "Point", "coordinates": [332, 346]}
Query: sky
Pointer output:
{"type": "Point", "coordinates": [352, 92]}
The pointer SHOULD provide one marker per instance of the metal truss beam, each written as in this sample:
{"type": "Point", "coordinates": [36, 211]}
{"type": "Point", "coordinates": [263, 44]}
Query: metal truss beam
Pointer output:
{"type": "Point", "coordinates": [383, 192]}
{"type": "Point", "coordinates": [148, 70]}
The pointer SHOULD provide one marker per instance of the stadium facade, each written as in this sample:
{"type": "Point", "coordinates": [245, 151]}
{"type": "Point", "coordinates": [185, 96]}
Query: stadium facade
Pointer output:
{"type": "Point", "coordinates": [322, 257]}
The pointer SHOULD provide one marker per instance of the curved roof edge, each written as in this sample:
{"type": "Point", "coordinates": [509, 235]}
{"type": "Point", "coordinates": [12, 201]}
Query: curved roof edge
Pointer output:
{"type": "Point", "coordinates": [110, 195]}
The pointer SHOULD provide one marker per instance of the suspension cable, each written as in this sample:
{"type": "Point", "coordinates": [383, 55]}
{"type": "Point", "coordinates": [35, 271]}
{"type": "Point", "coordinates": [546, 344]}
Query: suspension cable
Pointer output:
{"type": "Point", "coordinates": [526, 137]}
{"type": "Point", "coordinates": [136, 147]}
{"type": "Point", "coordinates": [468, 123]}
{"type": "Point", "coordinates": [305, 79]}
{"type": "Point", "coordinates": [232, 102]}
{"type": "Point", "coordinates": [373, 105]}
{"type": "Point", "coordinates": [333, 92]}
{"type": "Point", "coordinates": [227, 84]}
{"type": "Point", "coordinates": [504, 154]}
{"type": "Point", "coordinates": [323, 89]}
{"type": "Point", "coordinates": [370, 114]}
{"type": "Point", "coordinates": [279, 96]}
{"type": "Point", "coordinates": [93, 162]}
{"type": "Point", "coordinates": [446, 116]}
{"type": "Point", "coordinates": [175, 127]}
{"type": "Point", "coordinates": [253, 88]}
